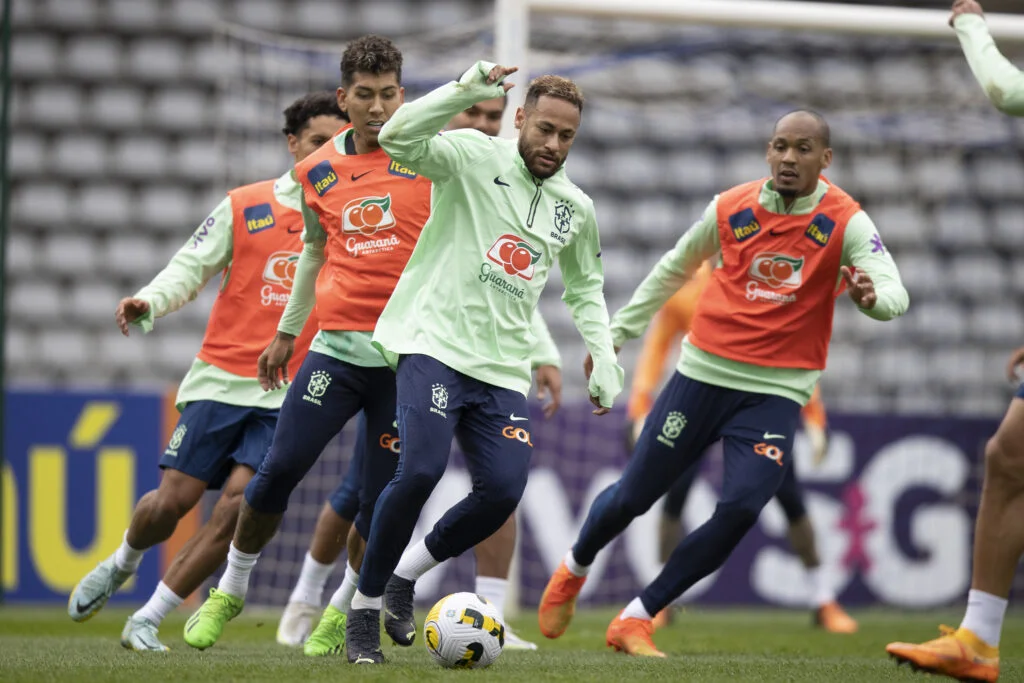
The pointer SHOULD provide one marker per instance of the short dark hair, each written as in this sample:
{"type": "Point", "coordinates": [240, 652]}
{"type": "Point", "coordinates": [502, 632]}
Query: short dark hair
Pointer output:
{"type": "Point", "coordinates": [554, 86]}
{"type": "Point", "coordinates": [299, 112]}
{"type": "Point", "coordinates": [824, 131]}
{"type": "Point", "coordinates": [370, 54]}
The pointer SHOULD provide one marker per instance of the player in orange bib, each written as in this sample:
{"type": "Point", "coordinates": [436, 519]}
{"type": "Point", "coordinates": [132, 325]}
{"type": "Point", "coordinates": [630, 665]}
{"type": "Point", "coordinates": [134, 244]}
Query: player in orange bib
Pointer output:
{"type": "Point", "coordinates": [667, 329]}
{"type": "Point", "coordinates": [756, 348]}
{"type": "Point", "coordinates": [227, 420]}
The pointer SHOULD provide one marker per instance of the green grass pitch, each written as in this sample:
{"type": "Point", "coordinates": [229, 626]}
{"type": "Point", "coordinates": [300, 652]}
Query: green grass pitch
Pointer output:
{"type": "Point", "coordinates": [42, 644]}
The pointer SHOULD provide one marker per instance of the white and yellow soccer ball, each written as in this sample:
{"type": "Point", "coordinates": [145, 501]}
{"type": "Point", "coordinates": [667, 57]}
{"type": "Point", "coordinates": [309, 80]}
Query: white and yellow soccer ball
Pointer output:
{"type": "Point", "coordinates": [463, 630]}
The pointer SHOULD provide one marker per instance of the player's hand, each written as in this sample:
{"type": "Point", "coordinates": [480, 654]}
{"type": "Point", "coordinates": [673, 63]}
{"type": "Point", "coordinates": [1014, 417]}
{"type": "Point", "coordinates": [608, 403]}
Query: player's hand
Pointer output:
{"type": "Point", "coordinates": [819, 442]}
{"type": "Point", "coordinates": [961, 7]}
{"type": "Point", "coordinates": [588, 363]}
{"type": "Point", "coordinates": [499, 72]}
{"type": "Point", "coordinates": [128, 311]}
{"type": "Point", "coordinates": [549, 388]}
{"type": "Point", "coordinates": [1014, 372]}
{"type": "Point", "coordinates": [860, 287]}
{"type": "Point", "coordinates": [272, 367]}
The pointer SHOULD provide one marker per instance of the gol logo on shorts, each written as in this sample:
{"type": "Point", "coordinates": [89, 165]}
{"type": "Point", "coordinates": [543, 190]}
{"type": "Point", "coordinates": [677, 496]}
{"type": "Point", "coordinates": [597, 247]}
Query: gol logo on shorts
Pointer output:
{"type": "Point", "coordinates": [517, 433]}
{"type": "Point", "coordinates": [392, 443]}
{"type": "Point", "coordinates": [769, 451]}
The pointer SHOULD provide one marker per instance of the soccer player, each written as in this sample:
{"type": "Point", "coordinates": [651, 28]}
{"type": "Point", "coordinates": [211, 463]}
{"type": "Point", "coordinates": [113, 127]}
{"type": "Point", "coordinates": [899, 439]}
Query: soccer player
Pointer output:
{"type": "Point", "coordinates": [755, 350]}
{"type": "Point", "coordinates": [227, 420]}
{"type": "Point", "coordinates": [669, 326]}
{"type": "Point", "coordinates": [457, 327]}
{"type": "Point", "coordinates": [493, 555]}
{"type": "Point", "coordinates": [363, 215]}
{"type": "Point", "coordinates": [971, 652]}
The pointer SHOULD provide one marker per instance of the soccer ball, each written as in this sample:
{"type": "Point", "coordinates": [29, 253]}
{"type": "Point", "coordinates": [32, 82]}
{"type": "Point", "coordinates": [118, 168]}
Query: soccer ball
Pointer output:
{"type": "Point", "coordinates": [463, 630]}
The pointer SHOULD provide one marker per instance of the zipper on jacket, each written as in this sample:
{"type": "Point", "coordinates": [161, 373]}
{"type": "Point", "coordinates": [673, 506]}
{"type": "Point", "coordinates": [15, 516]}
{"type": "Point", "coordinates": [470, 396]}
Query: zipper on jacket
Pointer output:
{"type": "Point", "coordinates": [533, 204]}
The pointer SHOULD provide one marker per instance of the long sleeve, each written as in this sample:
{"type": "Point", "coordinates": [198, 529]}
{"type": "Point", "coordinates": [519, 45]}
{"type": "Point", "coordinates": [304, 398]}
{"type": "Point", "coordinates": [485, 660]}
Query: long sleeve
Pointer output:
{"type": "Point", "coordinates": [583, 275]}
{"type": "Point", "coordinates": [651, 364]}
{"type": "Point", "coordinates": [1002, 81]}
{"type": "Point", "coordinates": [311, 260]}
{"type": "Point", "coordinates": [671, 272]}
{"type": "Point", "coordinates": [207, 252]}
{"type": "Point", "coordinates": [544, 350]}
{"type": "Point", "coordinates": [863, 249]}
{"type": "Point", "coordinates": [411, 135]}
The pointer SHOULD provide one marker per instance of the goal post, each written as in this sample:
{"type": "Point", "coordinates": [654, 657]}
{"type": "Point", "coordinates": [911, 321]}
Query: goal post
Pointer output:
{"type": "Point", "coordinates": [512, 23]}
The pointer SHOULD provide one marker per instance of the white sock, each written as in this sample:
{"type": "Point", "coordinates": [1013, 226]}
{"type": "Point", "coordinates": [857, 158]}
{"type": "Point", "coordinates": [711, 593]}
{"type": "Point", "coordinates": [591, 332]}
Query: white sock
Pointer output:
{"type": "Point", "coordinates": [635, 610]}
{"type": "Point", "coordinates": [575, 567]}
{"type": "Point", "coordinates": [821, 583]}
{"type": "Point", "coordinates": [127, 558]}
{"type": "Point", "coordinates": [312, 578]}
{"type": "Point", "coordinates": [342, 598]}
{"type": "Point", "coordinates": [360, 601]}
{"type": "Point", "coordinates": [161, 603]}
{"type": "Point", "coordinates": [416, 561]}
{"type": "Point", "coordinates": [235, 580]}
{"type": "Point", "coordinates": [494, 590]}
{"type": "Point", "coordinates": [984, 616]}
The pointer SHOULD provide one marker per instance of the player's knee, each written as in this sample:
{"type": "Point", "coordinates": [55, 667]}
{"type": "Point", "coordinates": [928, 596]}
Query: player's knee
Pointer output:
{"type": "Point", "coordinates": [170, 506]}
{"type": "Point", "coordinates": [419, 478]}
{"type": "Point", "coordinates": [1004, 460]}
{"type": "Point", "coordinates": [632, 504]}
{"type": "Point", "coordinates": [739, 515]}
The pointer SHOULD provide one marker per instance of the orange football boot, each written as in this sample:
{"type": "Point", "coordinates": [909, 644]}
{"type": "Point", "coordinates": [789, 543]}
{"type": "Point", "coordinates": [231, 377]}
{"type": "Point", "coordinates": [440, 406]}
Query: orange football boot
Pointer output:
{"type": "Point", "coordinates": [663, 618]}
{"type": "Point", "coordinates": [833, 618]}
{"type": "Point", "coordinates": [957, 653]}
{"type": "Point", "coordinates": [632, 636]}
{"type": "Point", "coordinates": [558, 603]}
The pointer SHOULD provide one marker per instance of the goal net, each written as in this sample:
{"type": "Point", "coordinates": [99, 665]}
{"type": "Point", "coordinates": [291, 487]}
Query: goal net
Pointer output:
{"type": "Point", "coordinates": [676, 113]}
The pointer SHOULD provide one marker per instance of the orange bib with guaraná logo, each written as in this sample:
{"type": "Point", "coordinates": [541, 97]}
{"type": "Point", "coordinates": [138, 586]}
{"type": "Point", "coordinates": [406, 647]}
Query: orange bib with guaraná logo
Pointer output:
{"type": "Point", "coordinates": [256, 286]}
{"type": "Point", "coordinates": [771, 302]}
{"type": "Point", "coordinates": [373, 210]}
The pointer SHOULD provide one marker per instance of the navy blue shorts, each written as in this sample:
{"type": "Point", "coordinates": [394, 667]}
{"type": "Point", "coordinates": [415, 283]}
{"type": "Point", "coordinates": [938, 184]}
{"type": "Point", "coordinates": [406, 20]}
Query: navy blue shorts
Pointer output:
{"type": "Point", "coordinates": [212, 437]}
{"type": "Point", "coordinates": [345, 499]}
{"type": "Point", "coordinates": [1020, 391]}
{"type": "Point", "coordinates": [757, 433]}
{"type": "Point", "coordinates": [324, 395]}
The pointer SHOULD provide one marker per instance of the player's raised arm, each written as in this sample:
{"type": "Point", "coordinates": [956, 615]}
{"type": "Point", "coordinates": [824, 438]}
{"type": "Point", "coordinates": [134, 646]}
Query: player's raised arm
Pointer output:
{"type": "Point", "coordinates": [207, 252]}
{"type": "Point", "coordinates": [272, 366]}
{"type": "Point", "coordinates": [1002, 81]}
{"type": "Point", "coordinates": [583, 275]}
{"type": "Point", "coordinates": [872, 278]}
{"type": "Point", "coordinates": [411, 137]}
{"type": "Point", "coordinates": [672, 271]}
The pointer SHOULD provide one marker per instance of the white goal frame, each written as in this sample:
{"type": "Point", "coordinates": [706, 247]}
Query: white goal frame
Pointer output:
{"type": "Point", "coordinates": [512, 23]}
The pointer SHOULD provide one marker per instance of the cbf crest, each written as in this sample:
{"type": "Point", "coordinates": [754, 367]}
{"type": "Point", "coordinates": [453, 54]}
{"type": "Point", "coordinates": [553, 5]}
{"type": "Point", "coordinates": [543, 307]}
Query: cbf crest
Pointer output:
{"type": "Point", "coordinates": [563, 216]}
{"type": "Point", "coordinates": [319, 380]}
{"type": "Point", "coordinates": [439, 397]}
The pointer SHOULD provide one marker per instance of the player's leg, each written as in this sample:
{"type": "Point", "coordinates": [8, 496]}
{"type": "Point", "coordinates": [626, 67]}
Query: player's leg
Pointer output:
{"type": "Point", "coordinates": [326, 393]}
{"type": "Point", "coordinates": [825, 608]}
{"type": "Point", "coordinates": [972, 651]}
{"type": "Point", "coordinates": [379, 447]}
{"type": "Point", "coordinates": [204, 437]}
{"type": "Point", "coordinates": [493, 561]}
{"type": "Point", "coordinates": [329, 539]}
{"type": "Point", "coordinates": [670, 528]}
{"type": "Point", "coordinates": [758, 445]}
{"type": "Point", "coordinates": [430, 396]}
{"type": "Point", "coordinates": [682, 422]}
{"type": "Point", "coordinates": [498, 449]}
{"type": "Point", "coordinates": [197, 560]}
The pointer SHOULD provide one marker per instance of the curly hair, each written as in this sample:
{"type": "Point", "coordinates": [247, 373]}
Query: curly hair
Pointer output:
{"type": "Point", "coordinates": [554, 86]}
{"type": "Point", "coordinates": [299, 112]}
{"type": "Point", "coordinates": [370, 54]}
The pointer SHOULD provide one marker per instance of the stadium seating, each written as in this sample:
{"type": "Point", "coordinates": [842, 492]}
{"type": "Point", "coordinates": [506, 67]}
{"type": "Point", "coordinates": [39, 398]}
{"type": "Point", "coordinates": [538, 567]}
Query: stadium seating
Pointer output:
{"type": "Point", "coordinates": [120, 107]}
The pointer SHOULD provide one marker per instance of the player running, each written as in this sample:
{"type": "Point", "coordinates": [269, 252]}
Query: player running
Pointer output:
{"type": "Point", "coordinates": [493, 555]}
{"type": "Point", "coordinates": [756, 348]}
{"type": "Point", "coordinates": [227, 420]}
{"type": "Point", "coordinates": [669, 326]}
{"type": "Point", "coordinates": [457, 326]}
{"type": "Point", "coordinates": [971, 652]}
{"type": "Point", "coordinates": [363, 213]}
